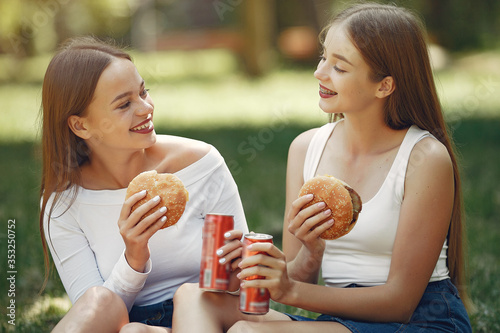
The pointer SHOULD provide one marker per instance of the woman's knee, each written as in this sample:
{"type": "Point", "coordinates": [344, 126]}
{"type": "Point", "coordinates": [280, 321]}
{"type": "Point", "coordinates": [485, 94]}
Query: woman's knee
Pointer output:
{"type": "Point", "coordinates": [243, 326]}
{"type": "Point", "coordinates": [101, 298]}
{"type": "Point", "coordinates": [98, 309]}
{"type": "Point", "coordinates": [101, 304]}
{"type": "Point", "coordinates": [190, 295]}
{"type": "Point", "coordinates": [186, 292]}
{"type": "Point", "coordinates": [133, 328]}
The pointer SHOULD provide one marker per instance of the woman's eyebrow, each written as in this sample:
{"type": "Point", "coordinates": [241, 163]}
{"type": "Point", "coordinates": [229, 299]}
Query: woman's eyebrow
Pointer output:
{"type": "Point", "coordinates": [126, 93]}
{"type": "Point", "coordinates": [121, 96]}
{"type": "Point", "coordinates": [341, 57]}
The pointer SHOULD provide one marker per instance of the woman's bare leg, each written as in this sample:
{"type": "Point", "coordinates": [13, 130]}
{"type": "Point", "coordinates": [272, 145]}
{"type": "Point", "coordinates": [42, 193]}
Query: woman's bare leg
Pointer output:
{"type": "Point", "coordinates": [288, 327]}
{"type": "Point", "coordinates": [101, 310]}
{"type": "Point", "coordinates": [98, 310]}
{"type": "Point", "coordinates": [198, 311]}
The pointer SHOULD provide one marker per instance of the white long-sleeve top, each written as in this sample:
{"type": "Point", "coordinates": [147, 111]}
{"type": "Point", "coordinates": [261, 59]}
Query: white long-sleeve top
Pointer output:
{"type": "Point", "coordinates": [88, 250]}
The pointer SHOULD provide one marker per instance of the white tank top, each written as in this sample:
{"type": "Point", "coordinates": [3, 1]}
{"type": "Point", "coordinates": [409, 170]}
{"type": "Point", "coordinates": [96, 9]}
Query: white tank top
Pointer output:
{"type": "Point", "coordinates": [364, 255]}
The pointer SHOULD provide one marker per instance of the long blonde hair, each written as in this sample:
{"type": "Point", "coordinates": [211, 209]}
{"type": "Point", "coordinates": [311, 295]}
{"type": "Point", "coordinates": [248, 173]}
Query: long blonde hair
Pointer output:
{"type": "Point", "coordinates": [392, 42]}
{"type": "Point", "coordinates": [68, 88]}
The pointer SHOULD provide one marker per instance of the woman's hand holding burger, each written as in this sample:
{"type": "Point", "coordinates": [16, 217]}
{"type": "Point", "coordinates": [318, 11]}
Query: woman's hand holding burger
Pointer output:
{"type": "Point", "coordinates": [136, 230]}
{"type": "Point", "coordinates": [153, 201]}
{"type": "Point", "coordinates": [305, 223]}
{"type": "Point", "coordinates": [326, 209]}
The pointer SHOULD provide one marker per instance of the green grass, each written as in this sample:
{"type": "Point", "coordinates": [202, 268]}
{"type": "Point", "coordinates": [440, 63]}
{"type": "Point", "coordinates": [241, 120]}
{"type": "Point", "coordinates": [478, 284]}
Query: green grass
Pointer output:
{"type": "Point", "coordinates": [479, 143]}
{"type": "Point", "coordinates": [252, 123]}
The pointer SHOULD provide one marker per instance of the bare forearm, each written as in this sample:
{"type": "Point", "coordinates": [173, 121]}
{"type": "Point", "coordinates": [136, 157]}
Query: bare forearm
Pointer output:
{"type": "Point", "coordinates": [378, 303]}
{"type": "Point", "coordinates": [306, 265]}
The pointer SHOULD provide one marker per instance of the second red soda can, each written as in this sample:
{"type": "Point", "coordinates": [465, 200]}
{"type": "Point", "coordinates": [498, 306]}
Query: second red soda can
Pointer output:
{"type": "Point", "coordinates": [254, 300]}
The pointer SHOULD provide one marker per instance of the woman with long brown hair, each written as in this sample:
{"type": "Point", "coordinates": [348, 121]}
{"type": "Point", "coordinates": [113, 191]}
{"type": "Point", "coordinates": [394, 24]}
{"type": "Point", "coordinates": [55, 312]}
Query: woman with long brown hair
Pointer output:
{"type": "Point", "coordinates": [402, 266]}
{"type": "Point", "coordinates": [97, 135]}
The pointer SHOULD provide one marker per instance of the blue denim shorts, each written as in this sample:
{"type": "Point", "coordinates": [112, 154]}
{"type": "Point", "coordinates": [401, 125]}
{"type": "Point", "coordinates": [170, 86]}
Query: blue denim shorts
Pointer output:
{"type": "Point", "coordinates": [159, 314]}
{"type": "Point", "coordinates": [439, 310]}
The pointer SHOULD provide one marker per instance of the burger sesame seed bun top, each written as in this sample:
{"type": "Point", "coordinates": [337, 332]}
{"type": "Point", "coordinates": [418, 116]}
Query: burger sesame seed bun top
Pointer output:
{"type": "Point", "coordinates": [342, 200]}
{"type": "Point", "coordinates": [169, 187]}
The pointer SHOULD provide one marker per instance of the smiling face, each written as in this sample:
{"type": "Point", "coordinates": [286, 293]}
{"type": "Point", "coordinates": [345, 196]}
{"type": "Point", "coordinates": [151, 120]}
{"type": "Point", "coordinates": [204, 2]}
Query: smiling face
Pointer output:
{"type": "Point", "coordinates": [344, 77]}
{"type": "Point", "coordinates": [120, 114]}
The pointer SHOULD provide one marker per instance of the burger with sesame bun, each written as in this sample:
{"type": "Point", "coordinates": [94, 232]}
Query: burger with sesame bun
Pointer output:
{"type": "Point", "coordinates": [344, 203]}
{"type": "Point", "coordinates": [168, 187]}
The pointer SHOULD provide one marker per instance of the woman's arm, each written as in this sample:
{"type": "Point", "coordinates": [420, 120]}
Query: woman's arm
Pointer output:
{"type": "Point", "coordinates": [71, 253]}
{"type": "Point", "coordinates": [304, 262]}
{"type": "Point", "coordinates": [76, 261]}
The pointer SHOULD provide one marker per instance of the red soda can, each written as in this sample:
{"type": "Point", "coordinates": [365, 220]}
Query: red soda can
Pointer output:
{"type": "Point", "coordinates": [254, 300]}
{"type": "Point", "coordinates": [213, 275]}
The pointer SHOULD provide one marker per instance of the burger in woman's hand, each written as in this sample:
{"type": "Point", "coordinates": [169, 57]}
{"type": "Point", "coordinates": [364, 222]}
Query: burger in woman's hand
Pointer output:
{"type": "Point", "coordinates": [340, 198]}
{"type": "Point", "coordinates": [169, 187]}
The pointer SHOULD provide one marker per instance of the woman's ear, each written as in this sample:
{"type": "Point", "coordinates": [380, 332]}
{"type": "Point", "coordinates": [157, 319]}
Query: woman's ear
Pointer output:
{"type": "Point", "coordinates": [78, 126]}
{"type": "Point", "coordinates": [386, 87]}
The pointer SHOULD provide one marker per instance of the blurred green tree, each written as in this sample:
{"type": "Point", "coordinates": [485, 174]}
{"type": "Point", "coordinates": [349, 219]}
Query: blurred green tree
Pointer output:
{"type": "Point", "coordinates": [463, 24]}
{"type": "Point", "coordinates": [256, 30]}
{"type": "Point", "coordinates": [29, 27]}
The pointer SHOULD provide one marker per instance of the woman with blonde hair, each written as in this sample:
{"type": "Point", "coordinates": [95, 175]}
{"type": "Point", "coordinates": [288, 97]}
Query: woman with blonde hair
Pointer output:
{"type": "Point", "coordinates": [97, 135]}
{"type": "Point", "coordinates": [402, 266]}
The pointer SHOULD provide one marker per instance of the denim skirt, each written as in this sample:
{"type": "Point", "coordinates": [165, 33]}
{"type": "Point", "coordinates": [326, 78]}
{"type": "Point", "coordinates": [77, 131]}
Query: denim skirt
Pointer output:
{"type": "Point", "coordinates": [439, 310]}
{"type": "Point", "coordinates": [159, 314]}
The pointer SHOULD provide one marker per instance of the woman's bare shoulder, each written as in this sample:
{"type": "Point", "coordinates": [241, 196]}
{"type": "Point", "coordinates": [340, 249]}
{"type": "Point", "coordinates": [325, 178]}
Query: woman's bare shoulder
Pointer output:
{"type": "Point", "coordinates": [175, 153]}
{"type": "Point", "coordinates": [429, 164]}
{"type": "Point", "coordinates": [300, 144]}
{"type": "Point", "coordinates": [431, 154]}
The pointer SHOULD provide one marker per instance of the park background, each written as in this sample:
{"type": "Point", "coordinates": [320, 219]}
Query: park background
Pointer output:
{"type": "Point", "coordinates": [237, 74]}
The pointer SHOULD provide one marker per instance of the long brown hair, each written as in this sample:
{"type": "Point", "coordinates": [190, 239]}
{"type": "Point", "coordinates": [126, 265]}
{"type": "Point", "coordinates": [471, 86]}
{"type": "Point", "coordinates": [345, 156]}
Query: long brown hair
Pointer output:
{"type": "Point", "coordinates": [392, 42]}
{"type": "Point", "coordinates": [68, 88]}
